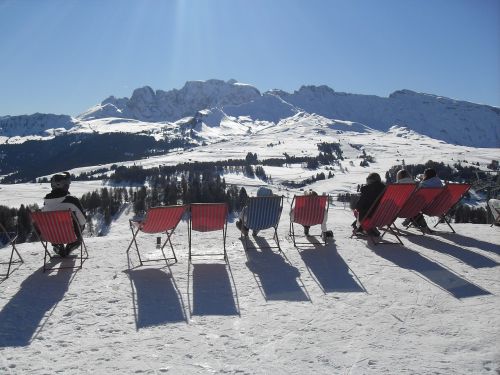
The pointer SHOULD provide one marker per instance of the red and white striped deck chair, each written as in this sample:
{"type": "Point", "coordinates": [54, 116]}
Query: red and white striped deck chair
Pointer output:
{"type": "Point", "coordinates": [450, 195]}
{"type": "Point", "coordinates": [386, 209]}
{"type": "Point", "coordinates": [208, 217]}
{"type": "Point", "coordinates": [308, 210]}
{"type": "Point", "coordinates": [157, 220]}
{"type": "Point", "coordinates": [420, 198]}
{"type": "Point", "coordinates": [57, 227]}
{"type": "Point", "coordinates": [8, 240]}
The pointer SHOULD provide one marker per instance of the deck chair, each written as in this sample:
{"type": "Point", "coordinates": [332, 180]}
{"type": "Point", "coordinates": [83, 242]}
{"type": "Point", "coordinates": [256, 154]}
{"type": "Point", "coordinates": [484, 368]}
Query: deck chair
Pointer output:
{"type": "Point", "coordinates": [385, 210]}
{"type": "Point", "coordinates": [420, 198]}
{"type": "Point", "coordinates": [57, 227]}
{"type": "Point", "coordinates": [263, 213]}
{"type": "Point", "coordinates": [8, 239]}
{"type": "Point", "coordinates": [450, 195]}
{"type": "Point", "coordinates": [158, 220]}
{"type": "Point", "coordinates": [308, 210]}
{"type": "Point", "coordinates": [208, 217]}
{"type": "Point", "coordinates": [494, 206]}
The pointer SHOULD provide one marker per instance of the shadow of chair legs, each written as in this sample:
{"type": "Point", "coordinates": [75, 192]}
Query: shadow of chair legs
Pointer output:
{"type": "Point", "coordinates": [469, 257]}
{"type": "Point", "coordinates": [275, 276]}
{"type": "Point", "coordinates": [329, 269]}
{"type": "Point", "coordinates": [21, 317]}
{"type": "Point", "coordinates": [474, 242]}
{"type": "Point", "coordinates": [212, 290]}
{"type": "Point", "coordinates": [157, 300]}
{"type": "Point", "coordinates": [431, 271]}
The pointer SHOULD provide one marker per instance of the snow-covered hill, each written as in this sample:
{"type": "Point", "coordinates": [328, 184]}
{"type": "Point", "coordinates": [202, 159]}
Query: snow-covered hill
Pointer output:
{"type": "Point", "coordinates": [36, 126]}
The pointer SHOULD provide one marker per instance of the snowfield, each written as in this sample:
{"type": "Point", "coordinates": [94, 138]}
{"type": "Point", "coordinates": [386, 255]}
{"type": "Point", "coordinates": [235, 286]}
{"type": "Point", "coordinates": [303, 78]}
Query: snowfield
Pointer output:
{"type": "Point", "coordinates": [430, 306]}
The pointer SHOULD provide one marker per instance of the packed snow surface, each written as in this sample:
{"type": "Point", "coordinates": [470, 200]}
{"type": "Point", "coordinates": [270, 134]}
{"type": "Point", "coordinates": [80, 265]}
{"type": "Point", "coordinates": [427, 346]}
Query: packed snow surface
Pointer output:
{"type": "Point", "coordinates": [430, 306]}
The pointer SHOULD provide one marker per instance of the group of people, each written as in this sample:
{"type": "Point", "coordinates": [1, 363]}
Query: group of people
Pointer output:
{"type": "Point", "coordinates": [372, 190]}
{"type": "Point", "coordinates": [266, 192]}
{"type": "Point", "coordinates": [61, 199]}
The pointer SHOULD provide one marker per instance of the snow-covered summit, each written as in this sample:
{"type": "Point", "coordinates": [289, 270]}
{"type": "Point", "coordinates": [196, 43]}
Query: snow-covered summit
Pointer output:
{"type": "Point", "coordinates": [35, 124]}
{"type": "Point", "coordinates": [145, 104]}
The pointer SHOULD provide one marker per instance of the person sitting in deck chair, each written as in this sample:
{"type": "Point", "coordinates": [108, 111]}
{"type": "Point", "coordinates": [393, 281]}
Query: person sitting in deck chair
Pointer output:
{"type": "Point", "coordinates": [261, 192]}
{"type": "Point", "coordinates": [403, 177]}
{"type": "Point", "coordinates": [324, 232]}
{"type": "Point", "coordinates": [428, 179]}
{"type": "Point", "coordinates": [369, 194]}
{"type": "Point", "coordinates": [60, 199]}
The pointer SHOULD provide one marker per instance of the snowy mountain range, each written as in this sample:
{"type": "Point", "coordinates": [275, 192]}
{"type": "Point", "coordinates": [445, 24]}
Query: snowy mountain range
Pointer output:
{"type": "Point", "coordinates": [230, 107]}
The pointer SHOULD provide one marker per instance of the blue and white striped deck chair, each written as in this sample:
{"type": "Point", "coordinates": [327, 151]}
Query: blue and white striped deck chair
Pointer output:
{"type": "Point", "coordinates": [263, 213]}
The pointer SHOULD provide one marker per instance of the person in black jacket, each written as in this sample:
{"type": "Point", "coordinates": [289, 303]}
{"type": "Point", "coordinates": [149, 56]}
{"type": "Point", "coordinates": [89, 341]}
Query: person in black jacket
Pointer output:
{"type": "Point", "coordinates": [369, 195]}
{"type": "Point", "coordinates": [60, 199]}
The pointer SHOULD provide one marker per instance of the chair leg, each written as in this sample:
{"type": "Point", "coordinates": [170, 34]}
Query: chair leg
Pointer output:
{"type": "Point", "coordinates": [292, 233]}
{"type": "Point", "coordinates": [443, 218]}
{"type": "Point", "coordinates": [276, 238]}
{"type": "Point", "coordinates": [171, 246]}
{"type": "Point", "coordinates": [189, 241]}
{"type": "Point", "coordinates": [134, 241]}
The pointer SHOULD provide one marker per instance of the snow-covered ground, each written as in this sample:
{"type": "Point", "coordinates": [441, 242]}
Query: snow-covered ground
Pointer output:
{"type": "Point", "coordinates": [430, 306]}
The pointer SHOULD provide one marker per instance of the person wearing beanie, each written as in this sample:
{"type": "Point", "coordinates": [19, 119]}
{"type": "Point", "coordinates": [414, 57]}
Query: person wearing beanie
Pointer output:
{"type": "Point", "coordinates": [403, 177]}
{"type": "Point", "coordinates": [61, 199]}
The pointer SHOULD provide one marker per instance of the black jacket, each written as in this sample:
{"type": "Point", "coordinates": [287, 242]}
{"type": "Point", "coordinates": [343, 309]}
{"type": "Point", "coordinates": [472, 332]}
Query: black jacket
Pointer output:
{"type": "Point", "coordinates": [369, 194]}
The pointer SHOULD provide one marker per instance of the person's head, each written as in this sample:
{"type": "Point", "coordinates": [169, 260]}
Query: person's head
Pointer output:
{"type": "Point", "coordinates": [402, 173]}
{"type": "Point", "coordinates": [373, 178]}
{"type": "Point", "coordinates": [60, 181]}
{"type": "Point", "coordinates": [311, 193]}
{"type": "Point", "coordinates": [264, 192]}
{"type": "Point", "coordinates": [429, 173]}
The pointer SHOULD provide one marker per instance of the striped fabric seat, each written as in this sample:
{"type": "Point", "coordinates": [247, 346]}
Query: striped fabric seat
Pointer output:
{"type": "Point", "coordinates": [450, 195]}
{"type": "Point", "coordinates": [263, 212]}
{"type": "Point", "coordinates": [308, 210]}
{"type": "Point", "coordinates": [158, 220]}
{"type": "Point", "coordinates": [420, 198]}
{"type": "Point", "coordinates": [208, 217]}
{"type": "Point", "coordinates": [58, 227]}
{"type": "Point", "coordinates": [386, 210]}
{"type": "Point", "coordinates": [161, 219]}
{"type": "Point", "coordinates": [8, 239]}
{"type": "Point", "coordinates": [55, 227]}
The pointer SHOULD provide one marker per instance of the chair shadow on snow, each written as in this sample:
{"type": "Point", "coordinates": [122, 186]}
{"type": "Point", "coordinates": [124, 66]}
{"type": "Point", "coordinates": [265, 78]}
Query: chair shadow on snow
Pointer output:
{"type": "Point", "coordinates": [467, 256]}
{"type": "Point", "coordinates": [22, 318]}
{"type": "Point", "coordinates": [474, 242]}
{"type": "Point", "coordinates": [276, 278]}
{"type": "Point", "coordinates": [212, 289]}
{"type": "Point", "coordinates": [156, 298]}
{"type": "Point", "coordinates": [328, 268]}
{"type": "Point", "coordinates": [431, 271]}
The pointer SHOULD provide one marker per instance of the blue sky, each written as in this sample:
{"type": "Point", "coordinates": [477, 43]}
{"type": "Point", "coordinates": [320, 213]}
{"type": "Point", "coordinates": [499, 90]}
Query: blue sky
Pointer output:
{"type": "Point", "coordinates": [63, 56]}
